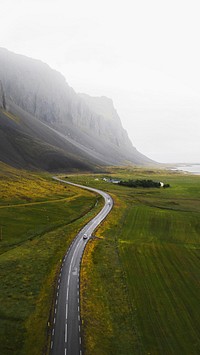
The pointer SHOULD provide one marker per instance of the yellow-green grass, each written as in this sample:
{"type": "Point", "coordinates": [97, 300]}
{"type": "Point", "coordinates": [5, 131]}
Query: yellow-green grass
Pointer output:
{"type": "Point", "coordinates": [18, 187]}
{"type": "Point", "coordinates": [142, 295]}
{"type": "Point", "coordinates": [107, 322]}
{"type": "Point", "coordinates": [11, 116]}
{"type": "Point", "coordinates": [35, 237]}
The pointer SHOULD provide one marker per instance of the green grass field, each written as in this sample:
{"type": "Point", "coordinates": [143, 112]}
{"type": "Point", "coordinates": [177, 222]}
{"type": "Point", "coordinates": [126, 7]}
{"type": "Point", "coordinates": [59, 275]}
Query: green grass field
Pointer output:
{"type": "Point", "coordinates": [39, 218]}
{"type": "Point", "coordinates": [160, 255]}
{"type": "Point", "coordinates": [144, 285]}
{"type": "Point", "coordinates": [139, 279]}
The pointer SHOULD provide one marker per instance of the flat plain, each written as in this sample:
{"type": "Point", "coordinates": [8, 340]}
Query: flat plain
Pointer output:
{"type": "Point", "coordinates": [139, 276]}
{"type": "Point", "coordinates": [142, 296]}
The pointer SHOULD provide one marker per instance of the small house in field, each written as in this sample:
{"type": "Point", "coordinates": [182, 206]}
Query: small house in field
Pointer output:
{"type": "Point", "coordinates": [114, 181]}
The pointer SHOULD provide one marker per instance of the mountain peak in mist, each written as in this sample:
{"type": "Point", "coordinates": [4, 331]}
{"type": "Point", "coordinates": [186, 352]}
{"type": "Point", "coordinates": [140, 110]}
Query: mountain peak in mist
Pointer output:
{"type": "Point", "coordinates": [90, 125]}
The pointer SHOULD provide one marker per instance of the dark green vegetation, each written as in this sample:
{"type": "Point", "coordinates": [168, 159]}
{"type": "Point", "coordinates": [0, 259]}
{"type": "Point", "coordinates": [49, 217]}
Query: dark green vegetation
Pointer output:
{"type": "Point", "coordinates": [38, 219]}
{"type": "Point", "coordinates": [143, 294]}
{"type": "Point", "coordinates": [142, 183]}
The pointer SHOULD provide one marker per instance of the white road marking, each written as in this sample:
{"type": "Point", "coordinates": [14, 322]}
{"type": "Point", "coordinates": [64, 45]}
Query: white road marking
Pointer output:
{"type": "Point", "coordinates": [80, 340]}
{"type": "Point", "coordinates": [53, 332]}
{"type": "Point", "coordinates": [56, 302]}
{"type": "Point", "coordinates": [51, 344]}
{"type": "Point", "coordinates": [79, 318]}
{"type": "Point", "coordinates": [70, 267]}
{"type": "Point", "coordinates": [66, 310]}
{"type": "Point", "coordinates": [55, 310]}
{"type": "Point", "coordinates": [54, 320]}
{"type": "Point", "coordinates": [66, 333]}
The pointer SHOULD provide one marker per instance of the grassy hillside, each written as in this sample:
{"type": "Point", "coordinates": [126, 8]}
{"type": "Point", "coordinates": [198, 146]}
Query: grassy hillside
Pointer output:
{"type": "Point", "coordinates": [38, 219]}
{"type": "Point", "coordinates": [27, 143]}
{"type": "Point", "coordinates": [142, 296]}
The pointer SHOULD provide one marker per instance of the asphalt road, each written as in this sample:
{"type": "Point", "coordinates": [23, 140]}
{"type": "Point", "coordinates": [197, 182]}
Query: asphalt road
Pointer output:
{"type": "Point", "coordinates": [66, 333]}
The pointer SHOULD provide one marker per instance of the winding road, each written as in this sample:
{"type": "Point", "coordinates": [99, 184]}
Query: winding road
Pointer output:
{"type": "Point", "coordinates": [66, 333]}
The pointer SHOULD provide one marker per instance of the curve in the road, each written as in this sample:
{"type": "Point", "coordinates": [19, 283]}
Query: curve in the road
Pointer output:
{"type": "Point", "coordinates": [66, 332]}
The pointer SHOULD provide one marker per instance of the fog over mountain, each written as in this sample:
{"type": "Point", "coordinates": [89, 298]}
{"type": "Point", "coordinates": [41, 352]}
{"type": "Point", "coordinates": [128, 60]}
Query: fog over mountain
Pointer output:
{"type": "Point", "coordinates": [49, 111]}
{"type": "Point", "coordinates": [142, 54]}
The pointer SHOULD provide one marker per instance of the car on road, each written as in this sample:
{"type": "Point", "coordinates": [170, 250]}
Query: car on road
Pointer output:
{"type": "Point", "coordinates": [85, 236]}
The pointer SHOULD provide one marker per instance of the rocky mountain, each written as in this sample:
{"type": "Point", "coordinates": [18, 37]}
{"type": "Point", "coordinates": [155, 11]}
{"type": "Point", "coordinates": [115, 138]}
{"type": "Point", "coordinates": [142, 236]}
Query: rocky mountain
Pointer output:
{"type": "Point", "coordinates": [103, 107]}
{"type": "Point", "coordinates": [2, 97]}
{"type": "Point", "coordinates": [89, 129]}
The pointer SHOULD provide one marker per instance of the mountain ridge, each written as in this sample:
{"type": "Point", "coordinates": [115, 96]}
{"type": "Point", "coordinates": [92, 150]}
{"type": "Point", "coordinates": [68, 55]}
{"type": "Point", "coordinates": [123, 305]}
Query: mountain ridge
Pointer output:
{"type": "Point", "coordinates": [42, 93]}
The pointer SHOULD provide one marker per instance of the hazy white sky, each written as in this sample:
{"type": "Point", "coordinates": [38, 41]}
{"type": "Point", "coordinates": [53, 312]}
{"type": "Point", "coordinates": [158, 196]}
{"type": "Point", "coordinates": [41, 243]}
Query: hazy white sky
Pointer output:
{"type": "Point", "coordinates": [144, 54]}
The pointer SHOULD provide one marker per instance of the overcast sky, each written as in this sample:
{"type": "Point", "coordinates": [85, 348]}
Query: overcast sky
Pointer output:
{"type": "Point", "coordinates": [144, 54]}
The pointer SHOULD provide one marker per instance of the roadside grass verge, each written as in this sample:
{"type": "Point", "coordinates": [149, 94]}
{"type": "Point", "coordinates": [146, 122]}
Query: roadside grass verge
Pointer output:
{"type": "Point", "coordinates": [32, 249]}
{"type": "Point", "coordinates": [108, 327]}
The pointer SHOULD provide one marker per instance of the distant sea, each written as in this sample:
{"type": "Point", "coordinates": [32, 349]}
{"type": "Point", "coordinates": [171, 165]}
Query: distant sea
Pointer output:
{"type": "Point", "coordinates": [193, 168]}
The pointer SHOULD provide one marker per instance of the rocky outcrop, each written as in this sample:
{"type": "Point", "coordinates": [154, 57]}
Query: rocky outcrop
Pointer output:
{"type": "Point", "coordinates": [109, 118]}
{"type": "Point", "coordinates": [2, 97]}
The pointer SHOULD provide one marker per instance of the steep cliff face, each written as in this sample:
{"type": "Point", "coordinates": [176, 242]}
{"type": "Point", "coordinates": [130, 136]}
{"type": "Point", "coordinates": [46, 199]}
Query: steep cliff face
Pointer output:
{"type": "Point", "coordinates": [112, 126]}
{"type": "Point", "coordinates": [34, 87]}
{"type": "Point", "coordinates": [2, 97]}
{"type": "Point", "coordinates": [44, 93]}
